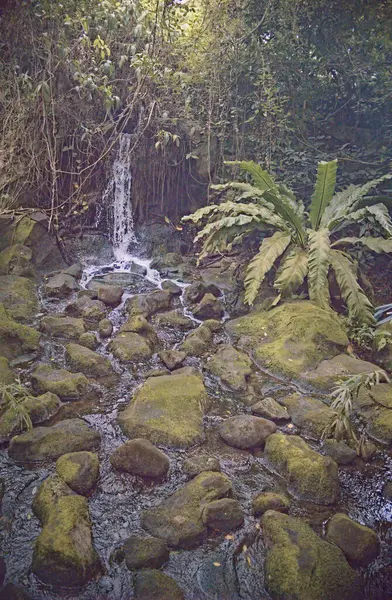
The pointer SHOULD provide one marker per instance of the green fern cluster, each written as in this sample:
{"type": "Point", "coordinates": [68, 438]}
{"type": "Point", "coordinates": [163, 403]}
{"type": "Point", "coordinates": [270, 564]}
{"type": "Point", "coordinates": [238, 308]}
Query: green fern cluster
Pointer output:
{"type": "Point", "coordinates": [307, 244]}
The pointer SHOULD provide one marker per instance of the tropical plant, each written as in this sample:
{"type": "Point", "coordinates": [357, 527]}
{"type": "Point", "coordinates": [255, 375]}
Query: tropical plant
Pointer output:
{"type": "Point", "coordinates": [369, 337]}
{"type": "Point", "coordinates": [307, 243]}
{"type": "Point", "coordinates": [12, 397]}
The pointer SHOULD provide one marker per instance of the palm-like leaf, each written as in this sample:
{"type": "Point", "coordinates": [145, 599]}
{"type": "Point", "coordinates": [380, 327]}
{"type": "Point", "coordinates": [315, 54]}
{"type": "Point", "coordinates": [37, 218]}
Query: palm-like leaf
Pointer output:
{"type": "Point", "coordinates": [292, 272]}
{"type": "Point", "coordinates": [323, 191]}
{"type": "Point", "coordinates": [319, 260]}
{"type": "Point", "coordinates": [358, 305]}
{"type": "Point", "coordinates": [270, 250]}
{"type": "Point", "coordinates": [376, 244]}
{"type": "Point", "coordinates": [261, 178]}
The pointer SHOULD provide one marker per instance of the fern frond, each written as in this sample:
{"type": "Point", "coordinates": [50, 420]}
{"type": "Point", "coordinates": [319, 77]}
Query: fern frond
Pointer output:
{"type": "Point", "coordinates": [289, 196]}
{"type": "Point", "coordinates": [319, 260]}
{"type": "Point", "coordinates": [358, 305]}
{"type": "Point", "coordinates": [293, 272]}
{"type": "Point", "coordinates": [285, 211]}
{"type": "Point", "coordinates": [225, 222]}
{"type": "Point", "coordinates": [201, 213]}
{"type": "Point", "coordinates": [261, 178]}
{"type": "Point", "coordinates": [379, 245]}
{"type": "Point", "coordinates": [323, 190]}
{"type": "Point", "coordinates": [381, 215]}
{"type": "Point", "coordinates": [270, 250]}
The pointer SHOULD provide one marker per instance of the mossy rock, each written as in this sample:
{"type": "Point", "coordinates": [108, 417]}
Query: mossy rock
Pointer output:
{"type": "Point", "coordinates": [63, 327]}
{"type": "Point", "coordinates": [309, 475]}
{"type": "Point", "coordinates": [19, 297]}
{"type": "Point", "coordinates": [130, 346]}
{"type": "Point", "coordinates": [140, 457]}
{"type": "Point", "coordinates": [360, 544]}
{"type": "Point", "coordinates": [224, 514]}
{"type": "Point", "coordinates": [342, 366]}
{"type": "Point", "coordinates": [42, 443]}
{"type": "Point", "coordinates": [139, 324]}
{"type": "Point", "coordinates": [90, 363]}
{"type": "Point", "coordinates": [105, 328]}
{"type": "Point", "coordinates": [309, 414]}
{"type": "Point", "coordinates": [290, 339]}
{"type": "Point", "coordinates": [16, 339]}
{"type": "Point", "coordinates": [87, 308]}
{"type": "Point", "coordinates": [231, 366]}
{"type": "Point", "coordinates": [89, 340]}
{"type": "Point", "coordinates": [175, 319]}
{"type": "Point", "coordinates": [198, 464]}
{"type": "Point", "coordinates": [197, 342]}
{"type": "Point", "coordinates": [149, 304]}
{"type": "Point", "coordinates": [47, 496]}
{"type": "Point", "coordinates": [178, 519]}
{"type": "Point", "coordinates": [39, 409]}
{"type": "Point", "coordinates": [7, 375]}
{"type": "Point", "coordinates": [61, 285]}
{"type": "Point", "coordinates": [79, 470]}
{"type": "Point", "coordinates": [167, 410]}
{"type": "Point", "coordinates": [145, 553]}
{"type": "Point", "coordinates": [16, 260]}
{"type": "Point", "coordinates": [151, 584]}
{"type": "Point", "coordinates": [382, 394]}
{"type": "Point", "coordinates": [380, 426]}
{"type": "Point", "coordinates": [300, 565]}
{"type": "Point", "coordinates": [270, 501]}
{"type": "Point", "coordinates": [67, 385]}
{"type": "Point", "coordinates": [63, 553]}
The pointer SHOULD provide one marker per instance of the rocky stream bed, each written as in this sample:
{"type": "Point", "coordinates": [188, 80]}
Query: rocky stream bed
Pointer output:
{"type": "Point", "coordinates": [176, 446]}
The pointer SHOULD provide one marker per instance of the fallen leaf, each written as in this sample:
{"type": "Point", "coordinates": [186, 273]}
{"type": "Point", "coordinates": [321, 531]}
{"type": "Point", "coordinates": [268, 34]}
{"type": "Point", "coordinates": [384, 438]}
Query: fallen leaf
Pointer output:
{"type": "Point", "coordinates": [229, 537]}
{"type": "Point", "coordinates": [216, 564]}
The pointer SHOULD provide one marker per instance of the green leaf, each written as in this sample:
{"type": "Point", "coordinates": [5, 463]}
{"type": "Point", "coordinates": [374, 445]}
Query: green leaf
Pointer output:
{"type": "Point", "coordinates": [293, 272]}
{"type": "Point", "coordinates": [358, 305]}
{"type": "Point", "coordinates": [319, 260]}
{"type": "Point", "coordinates": [376, 244]}
{"type": "Point", "coordinates": [270, 250]}
{"type": "Point", "coordinates": [323, 190]}
{"type": "Point", "coordinates": [261, 178]}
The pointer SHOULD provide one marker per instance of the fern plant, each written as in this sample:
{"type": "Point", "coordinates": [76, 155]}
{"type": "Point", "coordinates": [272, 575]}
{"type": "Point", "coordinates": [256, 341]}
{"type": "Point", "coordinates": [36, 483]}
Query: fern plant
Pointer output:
{"type": "Point", "coordinates": [307, 243]}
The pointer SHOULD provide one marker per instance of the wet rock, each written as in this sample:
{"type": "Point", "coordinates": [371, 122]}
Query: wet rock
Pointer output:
{"type": "Point", "coordinates": [62, 327]}
{"type": "Point", "coordinates": [178, 519]}
{"type": "Point", "coordinates": [246, 431]}
{"type": "Point", "coordinates": [270, 501]}
{"type": "Point", "coordinates": [291, 339]}
{"type": "Point", "coordinates": [194, 292]}
{"type": "Point", "coordinates": [172, 359]}
{"type": "Point", "coordinates": [382, 394]}
{"type": "Point", "coordinates": [149, 304]}
{"type": "Point", "coordinates": [310, 415]}
{"type": "Point", "coordinates": [89, 340]}
{"type": "Point", "coordinates": [75, 270]}
{"type": "Point", "coordinates": [16, 339]}
{"type": "Point", "coordinates": [130, 346]}
{"type": "Point", "coordinates": [140, 457]}
{"type": "Point", "coordinates": [209, 307]}
{"type": "Point", "coordinates": [359, 543]}
{"type": "Point", "coordinates": [105, 328]}
{"type": "Point", "coordinates": [173, 288]}
{"type": "Point", "coordinates": [380, 426]}
{"type": "Point", "coordinates": [41, 443]}
{"type": "Point", "coordinates": [90, 363]}
{"type": "Point", "coordinates": [14, 592]}
{"type": "Point", "coordinates": [79, 470]}
{"type": "Point", "coordinates": [137, 269]}
{"type": "Point", "coordinates": [339, 452]}
{"type": "Point", "coordinates": [198, 464]}
{"type": "Point", "coordinates": [156, 373]}
{"type": "Point", "coordinates": [155, 585]}
{"type": "Point", "coordinates": [342, 365]}
{"type": "Point", "coordinates": [223, 515]}
{"type": "Point", "coordinates": [7, 376]}
{"type": "Point", "coordinates": [171, 259]}
{"type": "Point", "coordinates": [309, 475]}
{"type": "Point", "coordinates": [110, 294]}
{"type": "Point", "coordinates": [387, 491]}
{"type": "Point", "coordinates": [301, 565]}
{"type": "Point", "coordinates": [197, 342]}
{"type": "Point", "coordinates": [175, 319]}
{"type": "Point", "coordinates": [139, 324]}
{"type": "Point", "coordinates": [66, 385]}
{"type": "Point", "coordinates": [17, 260]}
{"type": "Point", "coordinates": [49, 493]}
{"type": "Point", "coordinates": [145, 553]}
{"type": "Point", "coordinates": [39, 409]}
{"type": "Point", "coordinates": [213, 325]}
{"type": "Point", "coordinates": [270, 409]}
{"type": "Point", "coordinates": [368, 450]}
{"type": "Point", "coordinates": [167, 410]}
{"type": "Point", "coordinates": [63, 553]}
{"type": "Point", "coordinates": [233, 367]}
{"type": "Point", "coordinates": [87, 308]}
{"type": "Point", "coordinates": [60, 285]}
{"type": "Point", "coordinates": [19, 297]}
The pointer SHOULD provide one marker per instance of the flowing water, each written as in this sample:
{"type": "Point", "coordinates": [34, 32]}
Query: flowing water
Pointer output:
{"type": "Point", "coordinates": [224, 567]}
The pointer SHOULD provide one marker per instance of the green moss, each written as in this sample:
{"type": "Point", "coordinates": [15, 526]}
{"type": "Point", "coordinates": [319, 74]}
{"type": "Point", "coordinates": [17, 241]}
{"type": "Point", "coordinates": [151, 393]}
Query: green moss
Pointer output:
{"type": "Point", "coordinates": [23, 230]}
{"type": "Point", "coordinates": [39, 409]}
{"type": "Point", "coordinates": [197, 342]}
{"type": "Point", "coordinates": [232, 366]}
{"type": "Point", "coordinates": [380, 426]}
{"type": "Point", "coordinates": [46, 498]}
{"type": "Point", "coordinates": [79, 470]}
{"type": "Point", "coordinates": [270, 501]}
{"type": "Point", "coordinates": [16, 260]}
{"type": "Point", "coordinates": [174, 319]}
{"type": "Point", "coordinates": [16, 339]}
{"type": "Point", "coordinates": [310, 415]}
{"type": "Point", "coordinates": [68, 386]}
{"type": "Point", "coordinates": [359, 543]}
{"type": "Point", "coordinates": [82, 359]}
{"type": "Point", "coordinates": [130, 346]}
{"type": "Point", "coordinates": [7, 375]}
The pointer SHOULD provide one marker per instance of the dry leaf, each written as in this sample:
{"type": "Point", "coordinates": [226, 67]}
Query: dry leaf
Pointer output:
{"type": "Point", "coordinates": [216, 564]}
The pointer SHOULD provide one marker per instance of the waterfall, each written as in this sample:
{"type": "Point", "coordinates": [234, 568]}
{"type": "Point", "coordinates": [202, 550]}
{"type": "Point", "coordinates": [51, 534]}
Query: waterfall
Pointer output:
{"type": "Point", "coordinates": [118, 194]}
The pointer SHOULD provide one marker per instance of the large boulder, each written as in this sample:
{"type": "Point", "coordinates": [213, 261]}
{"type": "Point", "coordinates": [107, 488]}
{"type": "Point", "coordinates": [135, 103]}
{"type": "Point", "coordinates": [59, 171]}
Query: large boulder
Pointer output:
{"type": "Point", "coordinates": [209, 307]}
{"type": "Point", "coordinates": [61, 285]}
{"type": "Point", "coordinates": [270, 409]}
{"type": "Point", "coordinates": [380, 426]}
{"type": "Point", "coordinates": [270, 501]}
{"type": "Point", "coordinates": [110, 295]}
{"type": "Point", "coordinates": [149, 304]}
{"type": "Point", "coordinates": [246, 431]}
{"type": "Point", "coordinates": [7, 375]}
{"type": "Point", "coordinates": [19, 297]}
{"type": "Point", "coordinates": [301, 565]}
{"type": "Point", "coordinates": [224, 514]}
{"type": "Point", "coordinates": [145, 553]}
{"type": "Point", "coordinates": [140, 457]}
{"type": "Point", "coordinates": [79, 470]}
{"type": "Point", "coordinates": [339, 367]}
{"type": "Point", "coordinates": [16, 260]}
{"type": "Point", "coordinates": [38, 409]}
{"type": "Point", "coordinates": [197, 342]}
{"type": "Point", "coordinates": [311, 416]}
{"type": "Point", "coordinates": [178, 519]}
{"type": "Point", "coordinates": [151, 584]}
{"type": "Point", "coordinates": [48, 495]}
{"type": "Point", "coordinates": [360, 544]}
{"type": "Point", "coordinates": [197, 464]}
{"type": "Point", "coordinates": [130, 346]}
{"type": "Point", "coordinates": [87, 308]}
{"type": "Point", "coordinates": [41, 443]}
{"type": "Point", "coordinates": [66, 385]}
{"type": "Point", "coordinates": [167, 410]}
{"type": "Point", "coordinates": [90, 363]}
{"type": "Point", "coordinates": [232, 366]}
{"type": "Point", "coordinates": [291, 339]}
{"type": "Point", "coordinates": [309, 475]}
{"type": "Point", "coordinates": [139, 324]}
{"type": "Point", "coordinates": [175, 319]}
{"type": "Point", "coordinates": [16, 339]}
{"type": "Point", "coordinates": [63, 327]}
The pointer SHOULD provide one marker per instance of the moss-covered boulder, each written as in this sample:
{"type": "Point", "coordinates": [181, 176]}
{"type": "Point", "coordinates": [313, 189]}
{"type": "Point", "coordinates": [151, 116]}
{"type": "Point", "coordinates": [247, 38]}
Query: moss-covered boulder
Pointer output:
{"type": "Point", "coordinates": [89, 340]}
{"type": "Point", "coordinates": [16, 260]}
{"type": "Point", "coordinates": [16, 339]}
{"type": "Point", "coordinates": [87, 308]}
{"type": "Point", "coordinates": [339, 367]}
{"type": "Point", "coordinates": [62, 327]}
{"type": "Point", "coordinates": [270, 501]}
{"type": "Point", "coordinates": [301, 565]}
{"type": "Point", "coordinates": [167, 410]}
{"type": "Point", "coordinates": [145, 553]}
{"type": "Point", "coordinates": [209, 307]}
{"type": "Point", "coordinates": [339, 451]}
{"type": "Point", "coordinates": [90, 363]}
{"type": "Point", "coordinates": [7, 375]}
{"type": "Point", "coordinates": [149, 304]}
{"type": "Point", "coordinates": [140, 457]}
{"type": "Point", "coordinates": [198, 464]}
{"type": "Point", "coordinates": [231, 366]}
{"type": "Point", "coordinates": [110, 295]}
{"type": "Point", "coordinates": [42, 443]}
{"type": "Point", "coordinates": [105, 328]}
{"type": "Point", "coordinates": [151, 584]}
{"type": "Point", "coordinates": [309, 475]}
{"type": "Point", "coordinates": [246, 431]}
{"type": "Point", "coordinates": [197, 342]}
{"type": "Point", "coordinates": [130, 346]}
{"type": "Point", "coordinates": [178, 519]}
{"type": "Point", "coordinates": [224, 514]}
{"type": "Point", "coordinates": [63, 553]}
{"type": "Point", "coordinates": [19, 297]}
{"type": "Point", "coordinates": [60, 285]}
{"type": "Point", "coordinates": [360, 544]}
{"type": "Point", "coordinates": [175, 319]}
{"type": "Point", "coordinates": [66, 385]}
{"type": "Point", "coordinates": [139, 324]}
{"type": "Point", "coordinates": [79, 470]}
{"type": "Point", "coordinates": [310, 415]}
{"type": "Point", "coordinates": [382, 394]}
{"type": "Point", "coordinates": [270, 409]}
{"type": "Point", "coordinates": [172, 359]}
{"type": "Point", "coordinates": [47, 496]}
{"type": "Point", "coordinates": [39, 409]}
{"type": "Point", "coordinates": [380, 426]}
{"type": "Point", "coordinates": [290, 339]}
